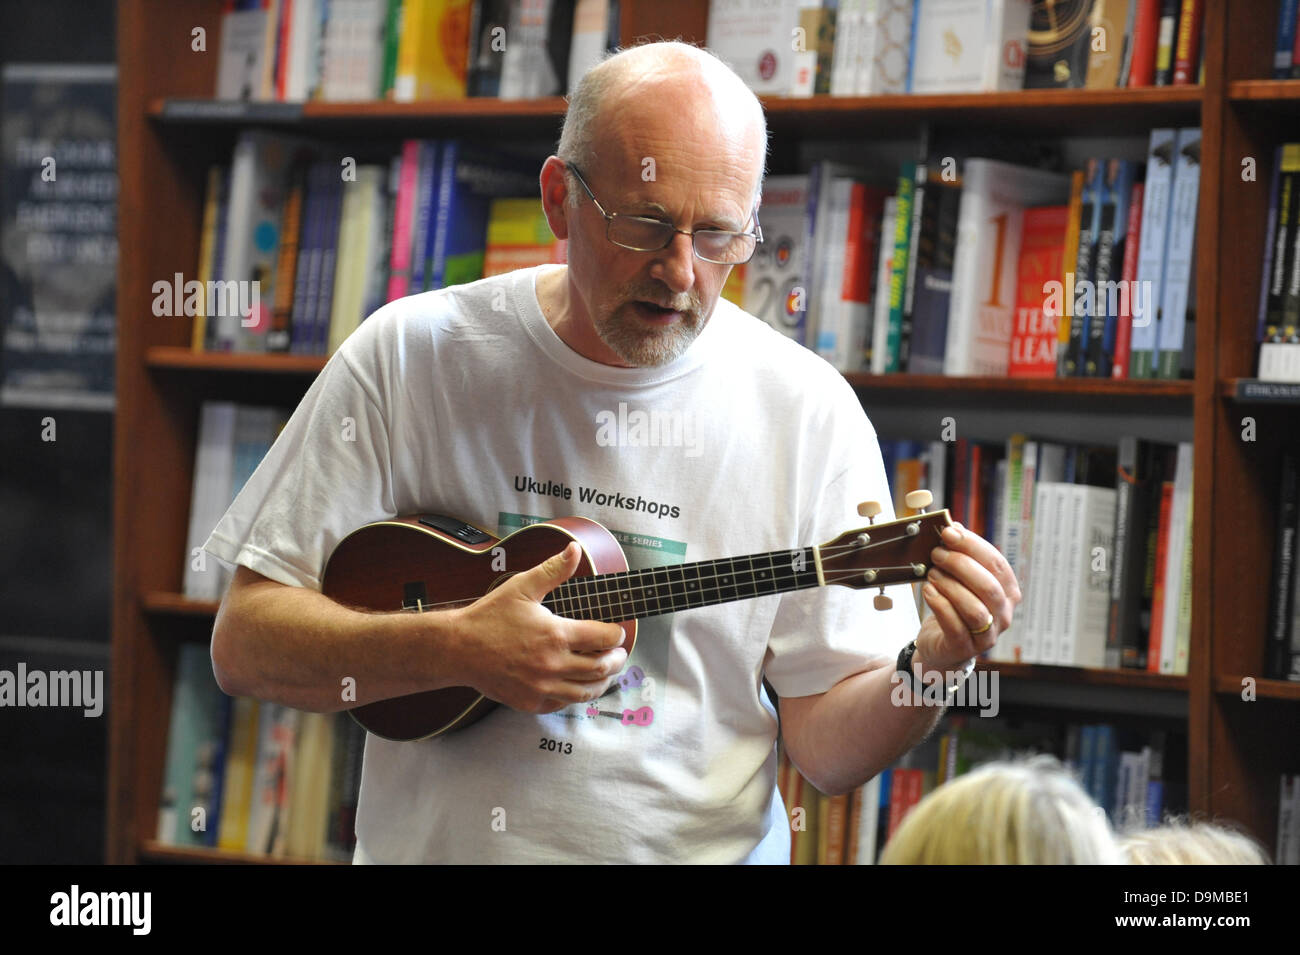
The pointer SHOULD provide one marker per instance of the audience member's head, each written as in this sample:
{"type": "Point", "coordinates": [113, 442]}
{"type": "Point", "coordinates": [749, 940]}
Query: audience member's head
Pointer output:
{"type": "Point", "coordinates": [1183, 842]}
{"type": "Point", "coordinates": [1028, 812]}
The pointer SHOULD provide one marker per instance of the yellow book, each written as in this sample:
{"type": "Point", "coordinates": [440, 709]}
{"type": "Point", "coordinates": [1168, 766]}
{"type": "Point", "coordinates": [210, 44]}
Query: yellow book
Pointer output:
{"type": "Point", "coordinates": [237, 789]}
{"type": "Point", "coordinates": [433, 53]}
{"type": "Point", "coordinates": [207, 250]}
{"type": "Point", "coordinates": [309, 795]}
{"type": "Point", "coordinates": [1070, 258]}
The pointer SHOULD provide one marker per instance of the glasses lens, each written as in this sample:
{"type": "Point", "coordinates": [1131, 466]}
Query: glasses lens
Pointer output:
{"type": "Point", "coordinates": [724, 248]}
{"type": "Point", "coordinates": [643, 235]}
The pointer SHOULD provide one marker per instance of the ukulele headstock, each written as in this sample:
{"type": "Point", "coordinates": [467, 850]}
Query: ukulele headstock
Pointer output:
{"type": "Point", "coordinates": [897, 552]}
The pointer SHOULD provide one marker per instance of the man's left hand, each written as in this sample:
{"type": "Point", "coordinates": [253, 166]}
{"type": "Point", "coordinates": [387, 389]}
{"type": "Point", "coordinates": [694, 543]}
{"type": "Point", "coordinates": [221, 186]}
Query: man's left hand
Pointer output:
{"type": "Point", "coordinates": [972, 592]}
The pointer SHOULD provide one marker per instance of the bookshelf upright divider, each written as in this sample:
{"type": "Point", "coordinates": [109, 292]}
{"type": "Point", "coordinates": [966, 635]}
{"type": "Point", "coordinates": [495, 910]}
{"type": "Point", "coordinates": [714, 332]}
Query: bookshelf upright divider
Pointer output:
{"type": "Point", "coordinates": [1235, 751]}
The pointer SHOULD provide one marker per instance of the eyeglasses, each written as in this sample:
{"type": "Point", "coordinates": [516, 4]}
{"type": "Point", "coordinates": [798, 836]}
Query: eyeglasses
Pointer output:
{"type": "Point", "coordinates": [642, 234]}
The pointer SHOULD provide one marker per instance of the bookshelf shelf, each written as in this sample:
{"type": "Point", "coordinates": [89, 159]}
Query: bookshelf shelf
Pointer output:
{"type": "Point", "coordinates": [1231, 685]}
{"type": "Point", "coordinates": [181, 357]}
{"type": "Point", "coordinates": [1254, 391]}
{"type": "Point", "coordinates": [473, 112]}
{"type": "Point", "coordinates": [162, 602]}
{"type": "Point", "coordinates": [1131, 679]}
{"type": "Point", "coordinates": [1265, 91]}
{"type": "Point", "coordinates": [1047, 111]}
{"type": "Point", "coordinates": [1099, 388]}
{"type": "Point", "coordinates": [153, 851]}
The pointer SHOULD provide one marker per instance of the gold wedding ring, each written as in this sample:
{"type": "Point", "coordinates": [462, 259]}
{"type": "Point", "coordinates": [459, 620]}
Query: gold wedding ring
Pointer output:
{"type": "Point", "coordinates": [983, 629]}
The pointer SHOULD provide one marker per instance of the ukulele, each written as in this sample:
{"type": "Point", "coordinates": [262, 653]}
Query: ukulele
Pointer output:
{"type": "Point", "coordinates": [432, 562]}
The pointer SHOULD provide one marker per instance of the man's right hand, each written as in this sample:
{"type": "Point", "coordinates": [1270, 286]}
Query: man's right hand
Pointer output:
{"type": "Point", "coordinates": [515, 651]}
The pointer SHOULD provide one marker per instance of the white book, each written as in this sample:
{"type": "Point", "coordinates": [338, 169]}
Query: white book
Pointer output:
{"type": "Point", "coordinates": [243, 47]}
{"type": "Point", "coordinates": [1024, 562]}
{"type": "Point", "coordinates": [362, 219]}
{"type": "Point", "coordinates": [828, 319]}
{"type": "Point", "coordinates": [848, 34]}
{"type": "Point", "coordinates": [866, 806]}
{"type": "Point", "coordinates": [590, 37]}
{"type": "Point", "coordinates": [1030, 638]}
{"type": "Point", "coordinates": [210, 496]}
{"type": "Point", "coordinates": [775, 270]}
{"type": "Point", "coordinates": [1183, 642]}
{"type": "Point", "coordinates": [948, 46]}
{"type": "Point", "coordinates": [1007, 45]}
{"type": "Point", "coordinates": [880, 307]}
{"type": "Point", "coordinates": [526, 69]}
{"type": "Point", "coordinates": [990, 216]}
{"type": "Point", "coordinates": [1151, 249]}
{"type": "Point", "coordinates": [304, 39]}
{"type": "Point", "coordinates": [886, 45]}
{"type": "Point", "coordinates": [754, 37]}
{"type": "Point", "coordinates": [1087, 605]}
{"type": "Point", "coordinates": [1054, 594]}
{"type": "Point", "coordinates": [1060, 649]}
{"type": "Point", "coordinates": [1179, 253]}
{"type": "Point", "coordinates": [1178, 526]}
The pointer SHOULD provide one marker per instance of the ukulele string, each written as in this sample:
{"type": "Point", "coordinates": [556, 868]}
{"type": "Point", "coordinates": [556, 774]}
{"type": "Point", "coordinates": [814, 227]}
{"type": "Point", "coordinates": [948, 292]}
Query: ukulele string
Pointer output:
{"type": "Point", "coordinates": [639, 581]}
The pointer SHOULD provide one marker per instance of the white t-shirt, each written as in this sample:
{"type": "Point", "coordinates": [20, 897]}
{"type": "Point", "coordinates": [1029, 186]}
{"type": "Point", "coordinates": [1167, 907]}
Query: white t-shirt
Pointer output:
{"type": "Point", "coordinates": [465, 402]}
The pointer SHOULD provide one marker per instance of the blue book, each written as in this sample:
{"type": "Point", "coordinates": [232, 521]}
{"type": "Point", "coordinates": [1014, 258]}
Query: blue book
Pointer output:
{"type": "Point", "coordinates": [470, 176]}
{"type": "Point", "coordinates": [1286, 23]}
{"type": "Point", "coordinates": [1117, 188]}
{"type": "Point", "coordinates": [426, 201]}
{"type": "Point", "coordinates": [1151, 252]}
{"type": "Point", "coordinates": [1106, 769]}
{"type": "Point", "coordinates": [1180, 254]}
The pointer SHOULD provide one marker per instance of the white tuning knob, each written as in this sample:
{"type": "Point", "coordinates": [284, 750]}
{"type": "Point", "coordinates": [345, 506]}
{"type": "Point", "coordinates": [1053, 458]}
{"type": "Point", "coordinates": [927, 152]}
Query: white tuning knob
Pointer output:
{"type": "Point", "coordinates": [869, 509]}
{"type": "Point", "coordinates": [918, 500]}
{"type": "Point", "coordinates": [882, 602]}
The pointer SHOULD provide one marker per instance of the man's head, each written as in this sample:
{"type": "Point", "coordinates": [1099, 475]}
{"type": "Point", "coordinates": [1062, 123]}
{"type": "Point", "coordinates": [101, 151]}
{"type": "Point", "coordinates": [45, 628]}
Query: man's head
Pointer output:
{"type": "Point", "coordinates": [664, 131]}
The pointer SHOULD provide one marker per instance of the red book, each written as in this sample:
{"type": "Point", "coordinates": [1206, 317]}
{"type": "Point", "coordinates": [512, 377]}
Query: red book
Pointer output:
{"type": "Point", "coordinates": [1146, 30]}
{"type": "Point", "coordinates": [1033, 331]}
{"type": "Point", "coordinates": [904, 794]}
{"type": "Point", "coordinates": [1124, 326]}
{"type": "Point", "coordinates": [960, 480]}
{"type": "Point", "coordinates": [1158, 586]}
{"type": "Point", "coordinates": [1188, 46]}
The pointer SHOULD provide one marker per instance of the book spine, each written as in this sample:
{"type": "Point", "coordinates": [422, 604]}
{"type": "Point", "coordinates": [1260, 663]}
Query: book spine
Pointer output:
{"type": "Point", "coordinates": [1121, 650]}
{"type": "Point", "coordinates": [1167, 37]}
{"type": "Point", "coordinates": [1069, 260]}
{"type": "Point", "coordinates": [1146, 27]}
{"type": "Point", "coordinates": [1111, 235]}
{"type": "Point", "coordinates": [1286, 33]}
{"type": "Point", "coordinates": [1283, 581]}
{"type": "Point", "coordinates": [1180, 254]}
{"type": "Point", "coordinates": [1155, 643]}
{"type": "Point", "coordinates": [1151, 255]}
{"type": "Point", "coordinates": [1124, 325]}
{"type": "Point", "coordinates": [898, 276]}
{"type": "Point", "coordinates": [1084, 299]}
{"type": "Point", "coordinates": [1188, 48]}
{"type": "Point", "coordinates": [399, 278]}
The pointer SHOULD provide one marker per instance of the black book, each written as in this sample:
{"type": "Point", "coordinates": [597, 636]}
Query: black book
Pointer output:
{"type": "Point", "coordinates": [1282, 589]}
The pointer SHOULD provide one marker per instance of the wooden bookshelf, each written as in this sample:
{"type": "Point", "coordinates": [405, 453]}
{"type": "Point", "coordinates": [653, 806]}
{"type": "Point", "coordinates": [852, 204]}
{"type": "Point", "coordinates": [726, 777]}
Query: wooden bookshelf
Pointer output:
{"type": "Point", "coordinates": [169, 131]}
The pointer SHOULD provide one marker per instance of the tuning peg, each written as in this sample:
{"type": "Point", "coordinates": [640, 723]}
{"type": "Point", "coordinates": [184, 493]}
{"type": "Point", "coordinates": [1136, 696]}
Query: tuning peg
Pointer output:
{"type": "Point", "coordinates": [869, 510]}
{"type": "Point", "coordinates": [882, 602]}
{"type": "Point", "coordinates": [919, 500]}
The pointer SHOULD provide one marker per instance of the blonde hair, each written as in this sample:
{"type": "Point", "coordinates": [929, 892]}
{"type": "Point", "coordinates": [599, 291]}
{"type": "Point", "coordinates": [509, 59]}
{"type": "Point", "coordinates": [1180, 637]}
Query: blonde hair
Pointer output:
{"type": "Point", "coordinates": [1026, 812]}
{"type": "Point", "coordinates": [1186, 842]}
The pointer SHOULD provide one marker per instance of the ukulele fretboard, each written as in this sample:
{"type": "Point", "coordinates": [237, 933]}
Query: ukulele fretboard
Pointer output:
{"type": "Point", "coordinates": [658, 590]}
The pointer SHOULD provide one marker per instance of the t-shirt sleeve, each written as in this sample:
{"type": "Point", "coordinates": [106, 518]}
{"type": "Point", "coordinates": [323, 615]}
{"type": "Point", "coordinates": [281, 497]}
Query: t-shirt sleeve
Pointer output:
{"type": "Point", "coordinates": [826, 634]}
{"type": "Point", "coordinates": [327, 473]}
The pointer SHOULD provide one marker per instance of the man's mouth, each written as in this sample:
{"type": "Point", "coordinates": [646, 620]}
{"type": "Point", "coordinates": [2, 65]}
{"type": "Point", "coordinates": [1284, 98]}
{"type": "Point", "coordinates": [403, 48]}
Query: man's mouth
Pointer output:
{"type": "Point", "coordinates": [655, 312]}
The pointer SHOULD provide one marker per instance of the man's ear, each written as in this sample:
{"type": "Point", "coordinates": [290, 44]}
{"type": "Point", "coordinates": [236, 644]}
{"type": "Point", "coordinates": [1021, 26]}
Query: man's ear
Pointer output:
{"type": "Point", "coordinates": [555, 196]}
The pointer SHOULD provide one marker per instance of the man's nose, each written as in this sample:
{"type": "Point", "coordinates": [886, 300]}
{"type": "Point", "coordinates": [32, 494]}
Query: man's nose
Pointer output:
{"type": "Point", "coordinates": [675, 265]}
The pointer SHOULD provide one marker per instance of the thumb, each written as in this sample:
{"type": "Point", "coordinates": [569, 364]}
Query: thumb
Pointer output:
{"type": "Point", "coordinates": [539, 581]}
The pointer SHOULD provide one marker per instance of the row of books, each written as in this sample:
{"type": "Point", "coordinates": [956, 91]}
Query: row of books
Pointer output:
{"type": "Point", "coordinates": [326, 241]}
{"type": "Point", "coordinates": [232, 440]}
{"type": "Point", "coordinates": [1286, 51]}
{"type": "Point", "coordinates": [1124, 772]}
{"type": "Point", "coordinates": [256, 777]}
{"type": "Point", "coordinates": [876, 47]}
{"type": "Point", "coordinates": [1001, 270]}
{"type": "Point", "coordinates": [1283, 661]}
{"type": "Point", "coordinates": [1100, 539]}
{"type": "Point", "coordinates": [1278, 322]}
{"type": "Point", "coordinates": [409, 50]}
{"type": "Point", "coordinates": [1288, 821]}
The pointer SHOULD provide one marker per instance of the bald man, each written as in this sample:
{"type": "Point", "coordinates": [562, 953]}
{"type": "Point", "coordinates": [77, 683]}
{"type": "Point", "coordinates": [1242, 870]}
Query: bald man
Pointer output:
{"type": "Point", "coordinates": [515, 398]}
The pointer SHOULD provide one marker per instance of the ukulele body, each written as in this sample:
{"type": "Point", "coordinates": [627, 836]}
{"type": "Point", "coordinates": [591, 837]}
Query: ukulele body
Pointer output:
{"type": "Point", "coordinates": [429, 562]}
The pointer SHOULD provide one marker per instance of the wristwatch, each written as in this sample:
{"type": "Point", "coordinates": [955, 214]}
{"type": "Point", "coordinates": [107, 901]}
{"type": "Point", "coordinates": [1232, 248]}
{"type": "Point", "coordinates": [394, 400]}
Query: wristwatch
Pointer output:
{"type": "Point", "coordinates": [904, 667]}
